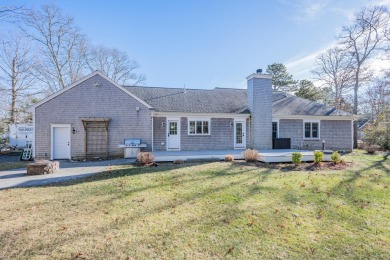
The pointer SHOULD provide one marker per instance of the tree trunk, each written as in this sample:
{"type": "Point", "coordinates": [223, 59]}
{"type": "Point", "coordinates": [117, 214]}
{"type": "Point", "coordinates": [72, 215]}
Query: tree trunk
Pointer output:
{"type": "Point", "coordinates": [13, 93]}
{"type": "Point", "coordinates": [355, 107]}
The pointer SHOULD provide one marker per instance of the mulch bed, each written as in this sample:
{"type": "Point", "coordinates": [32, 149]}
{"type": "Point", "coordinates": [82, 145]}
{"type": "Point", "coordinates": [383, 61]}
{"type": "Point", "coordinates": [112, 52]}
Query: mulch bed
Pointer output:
{"type": "Point", "coordinates": [300, 167]}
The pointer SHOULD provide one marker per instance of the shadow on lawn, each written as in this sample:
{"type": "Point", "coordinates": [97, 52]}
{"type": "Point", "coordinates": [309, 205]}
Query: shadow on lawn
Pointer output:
{"type": "Point", "coordinates": [225, 215]}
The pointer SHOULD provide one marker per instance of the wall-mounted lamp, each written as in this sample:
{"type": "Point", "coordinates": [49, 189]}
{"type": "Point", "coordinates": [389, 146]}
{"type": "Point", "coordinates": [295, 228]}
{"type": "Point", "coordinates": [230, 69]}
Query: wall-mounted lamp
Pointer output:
{"type": "Point", "coordinates": [323, 145]}
{"type": "Point", "coordinates": [73, 130]}
{"type": "Point", "coordinates": [231, 124]}
{"type": "Point", "coordinates": [137, 109]}
{"type": "Point", "coordinates": [163, 124]}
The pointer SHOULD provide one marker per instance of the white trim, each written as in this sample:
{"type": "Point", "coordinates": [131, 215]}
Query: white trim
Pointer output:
{"type": "Point", "coordinates": [243, 121]}
{"type": "Point", "coordinates": [30, 109]}
{"type": "Point", "coordinates": [35, 132]}
{"type": "Point", "coordinates": [152, 134]}
{"type": "Point", "coordinates": [319, 131]}
{"type": "Point", "coordinates": [208, 119]}
{"type": "Point", "coordinates": [178, 119]}
{"type": "Point", "coordinates": [204, 115]}
{"type": "Point", "coordinates": [278, 126]}
{"type": "Point", "coordinates": [52, 126]}
{"type": "Point", "coordinates": [302, 117]}
{"type": "Point", "coordinates": [259, 76]}
{"type": "Point", "coordinates": [352, 131]}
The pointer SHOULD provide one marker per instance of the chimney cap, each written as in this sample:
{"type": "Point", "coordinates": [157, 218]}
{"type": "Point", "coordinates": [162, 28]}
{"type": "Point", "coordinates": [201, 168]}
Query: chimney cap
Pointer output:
{"type": "Point", "coordinates": [259, 76]}
{"type": "Point", "coordinates": [259, 71]}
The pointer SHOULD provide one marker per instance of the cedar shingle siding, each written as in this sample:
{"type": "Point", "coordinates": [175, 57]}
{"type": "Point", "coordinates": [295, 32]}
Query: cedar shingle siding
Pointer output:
{"type": "Point", "coordinates": [336, 133]}
{"type": "Point", "coordinates": [87, 100]}
{"type": "Point", "coordinates": [98, 97]}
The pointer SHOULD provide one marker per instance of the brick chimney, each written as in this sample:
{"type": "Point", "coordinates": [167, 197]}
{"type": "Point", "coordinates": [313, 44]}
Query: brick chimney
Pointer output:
{"type": "Point", "coordinates": [259, 96]}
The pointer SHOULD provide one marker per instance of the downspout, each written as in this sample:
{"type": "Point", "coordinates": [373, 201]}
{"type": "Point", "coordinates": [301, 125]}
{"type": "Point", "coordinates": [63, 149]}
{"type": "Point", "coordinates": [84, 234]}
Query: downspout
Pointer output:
{"type": "Point", "coordinates": [35, 131]}
{"type": "Point", "coordinates": [352, 131]}
{"type": "Point", "coordinates": [152, 134]}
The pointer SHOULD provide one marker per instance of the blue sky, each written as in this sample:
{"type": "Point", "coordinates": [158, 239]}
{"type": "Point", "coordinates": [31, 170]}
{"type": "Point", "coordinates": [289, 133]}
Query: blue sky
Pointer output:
{"type": "Point", "coordinates": [207, 44]}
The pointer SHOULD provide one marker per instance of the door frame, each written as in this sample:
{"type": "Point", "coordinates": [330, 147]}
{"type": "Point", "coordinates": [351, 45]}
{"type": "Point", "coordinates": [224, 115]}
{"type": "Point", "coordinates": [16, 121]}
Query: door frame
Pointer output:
{"type": "Point", "coordinates": [243, 121]}
{"type": "Point", "coordinates": [52, 126]}
{"type": "Point", "coordinates": [178, 132]}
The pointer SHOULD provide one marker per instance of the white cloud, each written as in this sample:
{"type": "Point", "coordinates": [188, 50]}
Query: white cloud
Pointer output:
{"type": "Point", "coordinates": [300, 66]}
{"type": "Point", "coordinates": [305, 10]}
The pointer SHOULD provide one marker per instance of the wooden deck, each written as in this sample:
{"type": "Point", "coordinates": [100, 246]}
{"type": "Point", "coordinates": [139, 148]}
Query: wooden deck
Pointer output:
{"type": "Point", "coordinates": [268, 156]}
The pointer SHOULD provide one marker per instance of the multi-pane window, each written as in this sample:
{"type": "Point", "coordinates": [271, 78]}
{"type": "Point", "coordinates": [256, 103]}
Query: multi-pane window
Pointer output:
{"type": "Point", "coordinates": [274, 130]}
{"type": "Point", "coordinates": [199, 127]}
{"type": "Point", "coordinates": [311, 130]}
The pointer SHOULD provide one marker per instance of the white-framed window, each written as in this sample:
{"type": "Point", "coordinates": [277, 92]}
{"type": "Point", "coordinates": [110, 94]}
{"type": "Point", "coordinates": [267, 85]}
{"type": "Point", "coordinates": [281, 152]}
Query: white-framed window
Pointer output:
{"type": "Point", "coordinates": [311, 130]}
{"type": "Point", "coordinates": [275, 128]}
{"type": "Point", "coordinates": [198, 126]}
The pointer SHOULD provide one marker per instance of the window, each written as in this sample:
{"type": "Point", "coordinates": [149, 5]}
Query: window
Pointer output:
{"type": "Point", "coordinates": [198, 127]}
{"type": "Point", "coordinates": [311, 130]}
{"type": "Point", "coordinates": [274, 130]}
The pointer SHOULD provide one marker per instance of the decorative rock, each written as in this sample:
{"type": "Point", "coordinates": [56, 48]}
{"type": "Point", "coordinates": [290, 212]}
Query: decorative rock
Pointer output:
{"type": "Point", "coordinates": [42, 167]}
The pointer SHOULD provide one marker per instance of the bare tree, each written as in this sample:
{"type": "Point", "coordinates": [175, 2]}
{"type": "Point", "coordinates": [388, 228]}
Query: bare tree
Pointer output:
{"type": "Point", "coordinates": [115, 64]}
{"type": "Point", "coordinates": [363, 39]}
{"type": "Point", "coordinates": [61, 46]}
{"type": "Point", "coordinates": [8, 13]}
{"type": "Point", "coordinates": [334, 68]}
{"type": "Point", "coordinates": [376, 100]}
{"type": "Point", "coordinates": [17, 65]}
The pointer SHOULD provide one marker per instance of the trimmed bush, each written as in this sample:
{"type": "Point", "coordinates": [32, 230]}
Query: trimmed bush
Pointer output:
{"type": "Point", "coordinates": [145, 158]}
{"type": "Point", "coordinates": [318, 157]}
{"type": "Point", "coordinates": [335, 156]}
{"type": "Point", "coordinates": [178, 161]}
{"type": "Point", "coordinates": [371, 149]}
{"type": "Point", "coordinates": [251, 155]}
{"type": "Point", "coordinates": [296, 157]}
{"type": "Point", "coordinates": [229, 158]}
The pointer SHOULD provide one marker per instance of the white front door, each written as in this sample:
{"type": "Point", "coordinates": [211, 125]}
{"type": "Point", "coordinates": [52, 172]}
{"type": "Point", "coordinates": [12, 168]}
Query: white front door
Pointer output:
{"type": "Point", "coordinates": [239, 134]}
{"type": "Point", "coordinates": [173, 135]}
{"type": "Point", "coordinates": [61, 142]}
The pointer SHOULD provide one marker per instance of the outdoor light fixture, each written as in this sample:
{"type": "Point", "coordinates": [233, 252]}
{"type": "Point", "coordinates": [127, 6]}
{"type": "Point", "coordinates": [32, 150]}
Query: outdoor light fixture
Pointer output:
{"type": "Point", "coordinates": [137, 109]}
{"type": "Point", "coordinates": [163, 124]}
{"type": "Point", "coordinates": [323, 145]}
{"type": "Point", "coordinates": [73, 130]}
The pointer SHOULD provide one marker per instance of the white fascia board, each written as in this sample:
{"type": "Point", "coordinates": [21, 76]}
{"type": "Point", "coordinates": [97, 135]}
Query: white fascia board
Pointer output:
{"type": "Point", "coordinates": [199, 115]}
{"type": "Point", "coordinates": [32, 108]}
{"type": "Point", "coordinates": [314, 117]}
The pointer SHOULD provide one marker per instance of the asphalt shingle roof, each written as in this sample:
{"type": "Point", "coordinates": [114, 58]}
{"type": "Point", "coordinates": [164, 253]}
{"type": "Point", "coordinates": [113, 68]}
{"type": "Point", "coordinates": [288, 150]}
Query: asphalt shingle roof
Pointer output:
{"type": "Point", "coordinates": [225, 100]}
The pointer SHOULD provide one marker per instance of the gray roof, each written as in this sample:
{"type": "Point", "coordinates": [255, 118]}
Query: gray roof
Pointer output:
{"type": "Point", "coordinates": [225, 100]}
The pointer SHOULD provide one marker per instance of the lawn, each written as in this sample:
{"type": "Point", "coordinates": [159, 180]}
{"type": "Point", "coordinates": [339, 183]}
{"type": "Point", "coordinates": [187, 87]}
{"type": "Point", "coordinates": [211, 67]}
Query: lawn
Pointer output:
{"type": "Point", "coordinates": [204, 211]}
{"type": "Point", "coordinates": [13, 165]}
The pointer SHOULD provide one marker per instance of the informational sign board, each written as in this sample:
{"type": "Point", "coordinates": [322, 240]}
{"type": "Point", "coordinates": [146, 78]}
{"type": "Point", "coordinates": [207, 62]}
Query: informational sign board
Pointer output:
{"type": "Point", "coordinates": [20, 134]}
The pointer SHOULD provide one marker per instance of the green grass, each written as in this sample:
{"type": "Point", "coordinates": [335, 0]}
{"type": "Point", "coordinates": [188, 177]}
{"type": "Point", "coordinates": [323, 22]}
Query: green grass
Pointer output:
{"type": "Point", "coordinates": [204, 211]}
{"type": "Point", "coordinates": [13, 165]}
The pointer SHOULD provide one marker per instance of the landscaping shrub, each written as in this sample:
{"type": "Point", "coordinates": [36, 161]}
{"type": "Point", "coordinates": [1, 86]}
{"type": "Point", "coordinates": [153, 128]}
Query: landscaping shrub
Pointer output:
{"type": "Point", "coordinates": [335, 156]}
{"type": "Point", "coordinates": [371, 149]}
{"type": "Point", "coordinates": [229, 158]}
{"type": "Point", "coordinates": [377, 135]}
{"type": "Point", "coordinates": [178, 161]}
{"type": "Point", "coordinates": [296, 157]}
{"type": "Point", "coordinates": [318, 157]}
{"type": "Point", "coordinates": [145, 158]}
{"type": "Point", "coordinates": [251, 155]}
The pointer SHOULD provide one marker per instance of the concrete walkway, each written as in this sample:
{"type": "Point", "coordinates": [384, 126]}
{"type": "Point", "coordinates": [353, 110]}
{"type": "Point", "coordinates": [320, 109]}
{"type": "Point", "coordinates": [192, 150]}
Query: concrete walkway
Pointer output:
{"type": "Point", "coordinates": [68, 171]}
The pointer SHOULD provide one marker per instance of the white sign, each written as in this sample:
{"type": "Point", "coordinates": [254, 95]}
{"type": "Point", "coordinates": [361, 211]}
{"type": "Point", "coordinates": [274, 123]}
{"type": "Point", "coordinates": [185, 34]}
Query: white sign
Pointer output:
{"type": "Point", "coordinates": [25, 130]}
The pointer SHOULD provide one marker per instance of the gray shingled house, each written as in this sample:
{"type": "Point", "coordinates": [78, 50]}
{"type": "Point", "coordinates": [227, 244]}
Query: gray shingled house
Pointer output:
{"type": "Point", "coordinates": [93, 116]}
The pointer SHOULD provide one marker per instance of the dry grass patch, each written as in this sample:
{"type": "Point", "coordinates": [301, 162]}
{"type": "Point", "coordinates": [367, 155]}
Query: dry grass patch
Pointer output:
{"type": "Point", "coordinates": [204, 211]}
{"type": "Point", "coordinates": [13, 165]}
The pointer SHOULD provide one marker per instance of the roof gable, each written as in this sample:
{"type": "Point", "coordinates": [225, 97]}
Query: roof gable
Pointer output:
{"type": "Point", "coordinates": [32, 108]}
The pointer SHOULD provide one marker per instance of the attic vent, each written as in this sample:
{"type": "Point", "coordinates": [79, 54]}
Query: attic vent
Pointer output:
{"type": "Point", "coordinates": [97, 84]}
